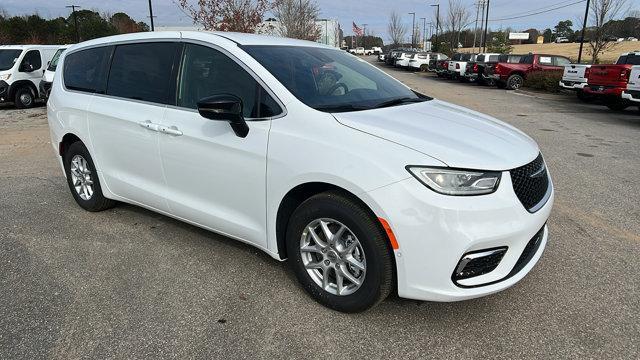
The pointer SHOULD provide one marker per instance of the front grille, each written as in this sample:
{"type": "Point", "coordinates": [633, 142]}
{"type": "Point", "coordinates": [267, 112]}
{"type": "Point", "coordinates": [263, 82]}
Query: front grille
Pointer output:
{"type": "Point", "coordinates": [531, 183]}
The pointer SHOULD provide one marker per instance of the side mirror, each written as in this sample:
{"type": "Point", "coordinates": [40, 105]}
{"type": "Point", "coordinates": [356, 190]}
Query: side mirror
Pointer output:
{"type": "Point", "coordinates": [225, 107]}
{"type": "Point", "coordinates": [27, 67]}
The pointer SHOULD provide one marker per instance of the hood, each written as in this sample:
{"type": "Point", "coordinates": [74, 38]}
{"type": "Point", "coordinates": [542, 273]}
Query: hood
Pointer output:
{"type": "Point", "coordinates": [457, 136]}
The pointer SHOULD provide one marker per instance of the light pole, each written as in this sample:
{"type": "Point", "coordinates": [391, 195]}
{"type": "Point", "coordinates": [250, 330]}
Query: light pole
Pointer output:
{"type": "Point", "coordinates": [424, 34]}
{"type": "Point", "coordinates": [413, 30]}
{"type": "Point", "coordinates": [437, 24]}
{"type": "Point", "coordinates": [364, 35]}
{"type": "Point", "coordinates": [486, 26]}
{"type": "Point", "coordinates": [151, 15]}
{"type": "Point", "coordinates": [475, 29]}
{"type": "Point", "coordinates": [75, 20]}
{"type": "Point", "coordinates": [584, 26]}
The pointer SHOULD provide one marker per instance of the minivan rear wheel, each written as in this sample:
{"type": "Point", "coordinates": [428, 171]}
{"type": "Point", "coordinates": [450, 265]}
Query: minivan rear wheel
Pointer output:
{"type": "Point", "coordinates": [24, 98]}
{"type": "Point", "coordinates": [82, 179]}
{"type": "Point", "coordinates": [339, 253]}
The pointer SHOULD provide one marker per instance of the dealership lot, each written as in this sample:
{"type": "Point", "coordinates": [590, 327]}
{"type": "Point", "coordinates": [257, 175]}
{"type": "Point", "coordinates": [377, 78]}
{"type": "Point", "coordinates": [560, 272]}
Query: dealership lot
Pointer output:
{"type": "Point", "coordinates": [129, 283]}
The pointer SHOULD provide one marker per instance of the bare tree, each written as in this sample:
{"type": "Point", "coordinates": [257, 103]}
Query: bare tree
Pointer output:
{"type": "Point", "coordinates": [397, 30]}
{"type": "Point", "coordinates": [601, 12]}
{"type": "Point", "coordinates": [298, 19]}
{"type": "Point", "coordinates": [226, 15]}
{"type": "Point", "coordinates": [457, 18]}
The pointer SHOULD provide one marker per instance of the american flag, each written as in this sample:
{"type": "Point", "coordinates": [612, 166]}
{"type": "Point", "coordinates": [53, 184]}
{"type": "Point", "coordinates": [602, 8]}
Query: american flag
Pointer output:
{"type": "Point", "coordinates": [356, 30]}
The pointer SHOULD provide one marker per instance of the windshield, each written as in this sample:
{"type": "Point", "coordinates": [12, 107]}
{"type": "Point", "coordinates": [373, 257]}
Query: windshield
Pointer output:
{"type": "Point", "coordinates": [331, 80]}
{"type": "Point", "coordinates": [8, 58]}
{"type": "Point", "coordinates": [54, 61]}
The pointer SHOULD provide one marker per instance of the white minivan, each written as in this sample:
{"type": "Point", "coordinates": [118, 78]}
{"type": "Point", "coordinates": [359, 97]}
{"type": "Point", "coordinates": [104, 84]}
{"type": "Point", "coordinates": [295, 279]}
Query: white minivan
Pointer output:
{"type": "Point", "coordinates": [307, 153]}
{"type": "Point", "coordinates": [21, 70]}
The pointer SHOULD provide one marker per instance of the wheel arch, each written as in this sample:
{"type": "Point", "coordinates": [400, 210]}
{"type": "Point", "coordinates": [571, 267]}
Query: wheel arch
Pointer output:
{"type": "Point", "coordinates": [66, 141]}
{"type": "Point", "coordinates": [13, 88]}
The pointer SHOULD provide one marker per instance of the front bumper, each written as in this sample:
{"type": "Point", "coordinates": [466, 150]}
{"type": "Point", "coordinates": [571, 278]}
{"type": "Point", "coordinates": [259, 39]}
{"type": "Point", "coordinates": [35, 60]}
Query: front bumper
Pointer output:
{"type": "Point", "coordinates": [631, 95]}
{"type": "Point", "coordinates": [4, 92]}
{"type": "Point", "coordinates": [572, 85]}
{"type": "Point", "coordinates": [434, 231]}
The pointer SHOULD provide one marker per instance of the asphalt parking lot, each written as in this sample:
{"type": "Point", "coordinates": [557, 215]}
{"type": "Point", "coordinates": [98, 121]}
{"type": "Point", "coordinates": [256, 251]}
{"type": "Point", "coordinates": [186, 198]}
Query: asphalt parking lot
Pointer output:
{"type": "Point", "coordinates": [129, 283]}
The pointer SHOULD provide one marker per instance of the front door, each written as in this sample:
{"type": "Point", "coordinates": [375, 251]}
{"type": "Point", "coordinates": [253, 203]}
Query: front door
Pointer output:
{"type": "Point", "coordinates": [215, 178]}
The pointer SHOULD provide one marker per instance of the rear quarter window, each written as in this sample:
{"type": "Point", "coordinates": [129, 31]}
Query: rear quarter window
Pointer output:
{"type": "Point", "coordinates": [86, 70]}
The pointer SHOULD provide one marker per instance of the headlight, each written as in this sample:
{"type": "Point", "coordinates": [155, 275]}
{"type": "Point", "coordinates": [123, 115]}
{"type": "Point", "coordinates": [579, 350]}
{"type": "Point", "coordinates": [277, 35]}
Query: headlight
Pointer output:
{"type": "Point", "coordinates": [5, 77]}
{"type": "Point", "coordinates": [457, 182]}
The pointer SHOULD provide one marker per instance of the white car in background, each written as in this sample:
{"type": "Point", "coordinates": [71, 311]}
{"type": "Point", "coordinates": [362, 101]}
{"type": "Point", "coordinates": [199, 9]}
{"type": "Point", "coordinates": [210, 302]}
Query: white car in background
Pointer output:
{"type": "Point", "coordinates": [402, 61]}
{"type": "Point", "coordinates": [420, 61]}
{"type": "Point", "coordinates": [21, 69]}
{"type": "Point", "coordinates": [633, 86]}
{"type": "Point", "coordinates": [458, 64]}
{"type": "Point", "coordinates": [575, 78]}
{"type": "Point", "coordinates": [47, 77]}
{"type": "Point", "coordinates": [364, 185]}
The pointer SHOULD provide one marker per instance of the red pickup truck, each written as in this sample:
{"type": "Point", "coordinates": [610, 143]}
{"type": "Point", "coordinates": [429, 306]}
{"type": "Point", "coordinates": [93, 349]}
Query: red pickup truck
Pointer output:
{"type": "Point", "coordinates": [607, 82]}
{"type": "Point", "coordinates": [512, 75]}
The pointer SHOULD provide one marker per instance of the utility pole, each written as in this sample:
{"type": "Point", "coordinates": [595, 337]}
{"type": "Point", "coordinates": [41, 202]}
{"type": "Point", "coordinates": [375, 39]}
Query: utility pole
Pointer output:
{"type": "Point", "coordinates": [151, 15]}
{"type": "Point", "coordinates": [75, 20]}
{"type": "Point", "coordinates": [486, 26]}
{"type": "Point", "coordinates": [481, 28]}
{"type": "Point", "coordinates": [437, 24]}
{"type": "Point", "coordinates": [475, 29]}
{"type": "Point", "coordinates": [364, 35]}
{"type": "Point", "coordinates": [424, 34]}
{"type": "Point", "coordinates": [413, 30]}
{"type": "Point", "coordinates": [584, 26]}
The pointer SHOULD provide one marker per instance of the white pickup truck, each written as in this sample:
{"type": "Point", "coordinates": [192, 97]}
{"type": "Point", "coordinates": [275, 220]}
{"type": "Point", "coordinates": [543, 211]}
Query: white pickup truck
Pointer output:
{"type": "Point", "coordinates": [633, 86]}
{"type": "Point", "coordinates": [575, 78]}
{"type": "Point", "coordinates": [458, 65]}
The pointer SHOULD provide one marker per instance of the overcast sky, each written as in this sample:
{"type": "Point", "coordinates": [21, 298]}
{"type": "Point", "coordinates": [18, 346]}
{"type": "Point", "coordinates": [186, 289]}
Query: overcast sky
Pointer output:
{"type": "Point", "coordinates": [375, 13]}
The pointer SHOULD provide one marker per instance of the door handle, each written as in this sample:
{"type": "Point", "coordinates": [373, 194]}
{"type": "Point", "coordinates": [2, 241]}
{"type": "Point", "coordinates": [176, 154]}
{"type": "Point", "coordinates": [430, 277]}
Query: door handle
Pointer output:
{"type": "Point", "coordinates": [171, 130]}
{"type": "Point", "coordinates": [149, 125]}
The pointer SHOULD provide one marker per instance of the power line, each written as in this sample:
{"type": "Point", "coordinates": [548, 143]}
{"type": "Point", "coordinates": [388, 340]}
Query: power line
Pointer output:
{"type": "Point", "coordinates": [539, 12]}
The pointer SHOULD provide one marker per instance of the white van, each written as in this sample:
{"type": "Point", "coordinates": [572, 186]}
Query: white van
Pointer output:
{"type": "Point", "coordinates": [21, 70]}
{"type": "Point", "coordinates": [47, 78]}
{"type": "Point", "coordinates": [364, 185]}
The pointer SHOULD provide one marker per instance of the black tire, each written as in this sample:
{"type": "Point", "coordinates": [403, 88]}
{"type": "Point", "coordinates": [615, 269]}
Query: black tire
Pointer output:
{"type": "Point", "coordinates": [23, 98]}
{"type": "Point", "coordinates": [515, 82]}
{"type": "Point", "coordinates": [501, 85]}
{"type": "Point", "coordinates": [378, 278]}
{"type": "Point", "coordinates": [97, 201]}
{"type": "Point", "coordinates": [424, 67]}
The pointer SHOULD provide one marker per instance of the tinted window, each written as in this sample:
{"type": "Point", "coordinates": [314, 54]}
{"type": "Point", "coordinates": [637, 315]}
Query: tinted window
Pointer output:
{"type": "Point", "coordinates": [465, 57]}
{"type": "Point", "coordinates": [633, 59]}
{"type": "Point", "coordinates": [142, 71]}
{"type": "Point", "coordinates": [53, 64]}
{"type": "Point", "coordinates": [31, 61]}
{"type": "Point", "coordinates": [8, 58]}
{"type": "Point", "coordinates": [560, 61]}
{"type": "Point", "coordinates": [456, 57]}
{"type": "Point", "coordinates": [527, 59]}
{"type": "Point", "coordinates": [514, 58]}
{"type": "Point", "coordinates": [480, 58]}
{"type": "Point", "coordinates": [622, 59]}
{"type": "Point", "coordinates": [86, 70]}
{"type": "Point", "coordinates": [330, 80]}
{"type": "Point", "coordinates": [492, 58]}
{"type": "Point", "coordinates": [206, 72]}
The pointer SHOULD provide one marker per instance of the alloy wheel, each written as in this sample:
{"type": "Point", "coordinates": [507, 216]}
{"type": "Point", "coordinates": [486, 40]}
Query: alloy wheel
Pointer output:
{"type": "Point", "coordinates": [81, 177]}
{"type": "Point", "coordinates": [333, 256]}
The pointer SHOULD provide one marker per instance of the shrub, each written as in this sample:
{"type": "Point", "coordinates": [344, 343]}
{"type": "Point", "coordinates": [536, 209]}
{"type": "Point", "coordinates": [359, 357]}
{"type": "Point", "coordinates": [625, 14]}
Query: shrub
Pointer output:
{"type": "Point", "coordinates": [544, 80]}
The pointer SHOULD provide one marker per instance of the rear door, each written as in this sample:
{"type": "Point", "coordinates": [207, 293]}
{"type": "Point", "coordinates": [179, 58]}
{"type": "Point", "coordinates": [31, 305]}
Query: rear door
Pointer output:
{"type": "Point", "coordinates": [216, 178]}
{"type": "Point", "coordinates": [124, 122]}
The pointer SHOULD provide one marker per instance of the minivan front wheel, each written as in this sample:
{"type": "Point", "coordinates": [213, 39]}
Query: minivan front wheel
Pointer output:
{"type": "Point", "coordinates": [82, 179]}
{"type": "Point", "coordinates": [339, 253]}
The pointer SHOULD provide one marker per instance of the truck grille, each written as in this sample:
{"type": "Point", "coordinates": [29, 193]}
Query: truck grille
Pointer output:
{"type": "Point", "coordinates": [531, 183]}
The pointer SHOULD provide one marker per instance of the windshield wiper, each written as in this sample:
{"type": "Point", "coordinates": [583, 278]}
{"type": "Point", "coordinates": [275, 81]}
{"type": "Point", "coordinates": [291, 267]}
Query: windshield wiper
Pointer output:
{"type": "Point", "coordinates": [398, 101]}
{"type": "Point", "coordinates": [340, 108]}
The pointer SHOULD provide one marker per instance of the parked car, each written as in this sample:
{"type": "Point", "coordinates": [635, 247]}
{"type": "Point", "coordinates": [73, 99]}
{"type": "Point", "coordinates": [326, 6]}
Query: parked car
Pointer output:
{"type": "Point", "coordinates": [458, 65]}
{"type": "Point", "coordinates": [512, 75]}
{"type": "Point", "coordinates": [574, 78]}
{"type": "Point", "coordinates": [382, 57]}
{"type": "Point", "coordinates": [47, 78]}
{"type": "Point", "coordinates": [475, 67]}
{"type": "Point", "coordinates": [421, 60]}
{"type": "Point", "coordinates": [359, 51]}
{"type": "Point", "coordinates": [442, 67]}
{"type": "Point", "coordinates": [360, 197]}
{"type": "Point", "coordinates": [632, 93]}
{"type": "Point", "coordinates": [390, 59]}
{"type": "Point", "coordinates": [376, 50]}
{"type": "Point", "coordinates": [607, 82]}
{"type": "Point", "coordinates": [402, 60]}
{"type": "Point", "coordinates": [561, 39]}
{"type": "Point", "coordinates": [486, 70]}
{"type": "Point", "coordinates": [21, 69]}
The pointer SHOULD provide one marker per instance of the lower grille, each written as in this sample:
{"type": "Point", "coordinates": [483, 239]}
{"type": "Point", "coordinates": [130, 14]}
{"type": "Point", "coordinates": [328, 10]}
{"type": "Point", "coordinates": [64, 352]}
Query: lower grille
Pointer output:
{"type": "Point", "coordinates": [478, 263]}
{"type": "Point", "coordinates": [528, 252]}
{"type": "Point", "coordinates": [531, 183]}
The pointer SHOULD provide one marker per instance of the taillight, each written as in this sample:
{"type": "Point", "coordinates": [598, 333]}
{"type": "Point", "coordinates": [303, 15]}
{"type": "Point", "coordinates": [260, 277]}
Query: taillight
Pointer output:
{"type": "Point", "coordinates": [624, 74]}
{"type": "Point", "coordinates": [587, 71]}
{"type": "Point", "coordinates": [475, 67]}
{"type": "Point", "coordinates": [497, 68]}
